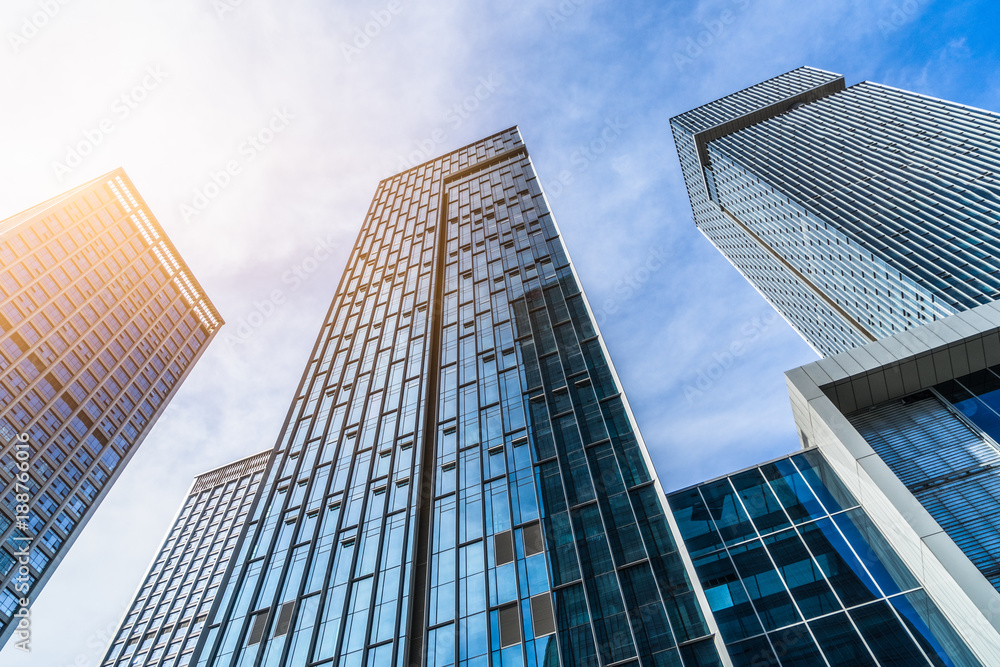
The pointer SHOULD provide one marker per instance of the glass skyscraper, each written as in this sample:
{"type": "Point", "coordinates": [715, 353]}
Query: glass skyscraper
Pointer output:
{"type": "Point", "coordinates": [100, 322]}
{"type": "Point", "coordinates": [867, 216]}
{"type": "Point", "coordinates": [165, 620]}
{"type": "Point", "coordinates": [459, 480]}
{"type": "Point", "coordinates": [857, 212]}
{"type": "Point", "coordinates": [796, 573]}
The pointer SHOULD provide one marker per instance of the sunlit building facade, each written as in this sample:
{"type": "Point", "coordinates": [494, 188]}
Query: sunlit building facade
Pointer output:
{"type": "Point", "coordinates": [459, 480]}
{"type": "Point", "coordinates": [165, 620]}
{"type": "Point", "coordinates": [100, 322]}
{"type": "Point", "coordinates": [857, 212]}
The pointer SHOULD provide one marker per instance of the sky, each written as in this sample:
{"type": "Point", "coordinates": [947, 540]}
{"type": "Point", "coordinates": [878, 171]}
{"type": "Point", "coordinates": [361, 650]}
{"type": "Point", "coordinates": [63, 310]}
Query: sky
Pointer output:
{"type": "Point", "coordinates": [354, 92]}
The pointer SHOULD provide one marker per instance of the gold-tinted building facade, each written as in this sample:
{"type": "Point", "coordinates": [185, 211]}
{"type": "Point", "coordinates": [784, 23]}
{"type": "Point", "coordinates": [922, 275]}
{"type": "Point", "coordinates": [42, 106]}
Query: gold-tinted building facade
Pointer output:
{"type": "Point", "coordinates": [100, 322]}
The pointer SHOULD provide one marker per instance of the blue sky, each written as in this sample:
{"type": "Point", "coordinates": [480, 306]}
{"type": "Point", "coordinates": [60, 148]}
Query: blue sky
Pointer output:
{"type": "Point", "coordinates": [183, 84]}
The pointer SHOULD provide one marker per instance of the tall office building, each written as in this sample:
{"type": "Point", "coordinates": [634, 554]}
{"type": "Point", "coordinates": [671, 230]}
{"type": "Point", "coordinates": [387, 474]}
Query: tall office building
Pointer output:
{"type": "Point", "coordinates": [857, 212]}
{"type": "Point", "coordinates": [100, 322]}
{"type": "Point", "coordinates": [867, 216]}
{"type": "Point", "coordinates": [164, 622]}
{"type": "Point", "coordinates": [459, 480]}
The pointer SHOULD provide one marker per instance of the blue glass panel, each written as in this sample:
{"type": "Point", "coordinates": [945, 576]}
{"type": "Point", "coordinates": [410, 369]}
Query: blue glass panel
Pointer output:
{"type": "Point", "coordinates": [879, 557]}
{"type": "Point", "coordinates": [824, 481]}
{"type": "Point", "coordinates": [933, 631]}
{"type": "Point", "coordinates": [795, 647]}
{"type": "Point", "coordinates": [752, 652]}
{"type": "Point", "coordinates": [840, 642]}
{"type": "Point", "coordinates": [573, 620]}
{"type": "Point", "coordinates": [701, 654]}
{"type": "Point", "coordinates": [727, 598]}
{"type": "Point", "coordinates": [842, 568]}
{"type": "Point", "coordinates": [761, 581]}
{"type": "Point", "coordinates": [759, 501]}
{"type": "Point", "coordinates": [802, 575]}
{"type": "Point", "coordinates": [694, 522]}
{"type": "Point", "coordinates": [792, 491]}
{"type": "Point", "coordinates": [886, 637]}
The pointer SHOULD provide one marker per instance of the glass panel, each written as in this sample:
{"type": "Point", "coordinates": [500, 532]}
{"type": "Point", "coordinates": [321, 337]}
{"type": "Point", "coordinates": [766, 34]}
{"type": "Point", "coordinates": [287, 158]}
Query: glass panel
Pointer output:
{"type": "Point", "coordinates": [802, 575]}
{"type": "Point", "coordinates": [759, 501]}
{"type": "Point", "coordinates": [694, 522]}
{"type": "Point", "coordinates": [841, 567]}
{"type": "Point", "coordinates": [878, 556]}
{"type": "Point", "coordinates": [761, 580]}
{"type": "Point", "coordinates": [936, 635]}
{"type": "Point", "coordinates": [792, 491]}
{"type": "Point", "coordinates": [727, 598]}
{"type": "Point", "coordinates": [886, 637]}
{"type": "Point", "coordinates": [726, 509]}
{"type": "Point", "coordinates": [795, 647]}
{"type": "Point", "coordinates": [840, 642]}
{"type": "Point", "coordinates": [824, 481]}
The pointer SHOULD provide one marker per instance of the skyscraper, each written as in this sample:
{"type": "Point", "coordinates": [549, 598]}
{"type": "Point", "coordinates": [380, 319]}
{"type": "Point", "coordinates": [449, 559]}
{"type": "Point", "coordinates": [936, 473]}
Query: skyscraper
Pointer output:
{"type": "Point", "coordinates": [857, 212]}
{"type": "Point", "coordinates": [459, 480]}
{"type": "Point", "coordinates": [797, 573]}
{"type": "Point", "coordinates": [100, 322]}
{"type": "Point", "coordinates": [169, 611]}
{"type": "Point", "coordinates": [867, 216]}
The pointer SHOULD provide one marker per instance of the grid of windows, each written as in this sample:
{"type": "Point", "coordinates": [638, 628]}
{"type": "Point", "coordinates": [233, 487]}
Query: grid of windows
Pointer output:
{"type": "Point", "coordinates": [942, 444]}
{"type": "Point", "coordinates": [164, 623]}
{"type": "Point", "coordinates": [892, 224]}
{"type": "Point", "coordinates": [459, 481]}
{"type": "Point", "coordinates": [99, 323]}
{"type": "Point", "coordinates": [797, 574]}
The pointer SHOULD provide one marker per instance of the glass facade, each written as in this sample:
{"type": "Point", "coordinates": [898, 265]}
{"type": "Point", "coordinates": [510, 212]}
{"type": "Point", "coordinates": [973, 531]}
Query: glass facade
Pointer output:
{"type": "Point", "coordinates": [459, 480]}
{"type": "Point", "coordinates": [857, 212]}
{"type": "Point", "coordinates": [797, 574]}
{"type": "Point", "coordinates": [942, 444]}
{"type": "Point", "coordinates": [164, 622]}
{"type": "Point", "coordinates": [100, 321]}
